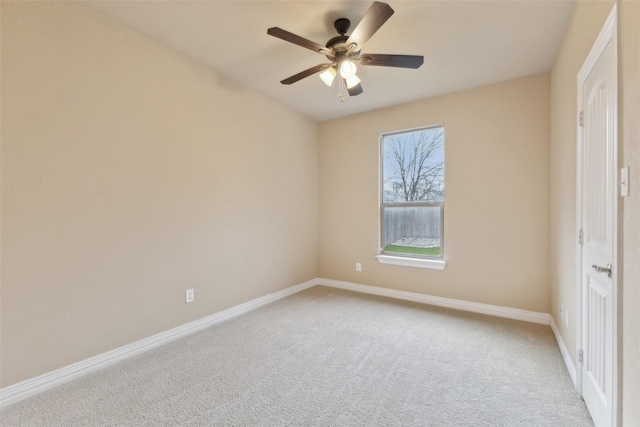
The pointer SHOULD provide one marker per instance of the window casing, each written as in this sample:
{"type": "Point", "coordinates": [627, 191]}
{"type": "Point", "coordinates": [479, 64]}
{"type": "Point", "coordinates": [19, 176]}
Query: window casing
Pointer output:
{"type": "Point", "coordinates": [412, 194]}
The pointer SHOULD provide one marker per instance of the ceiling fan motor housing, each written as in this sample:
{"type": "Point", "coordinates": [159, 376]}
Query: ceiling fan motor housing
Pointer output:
{"type": "Point", "coordinates": [337, 45]}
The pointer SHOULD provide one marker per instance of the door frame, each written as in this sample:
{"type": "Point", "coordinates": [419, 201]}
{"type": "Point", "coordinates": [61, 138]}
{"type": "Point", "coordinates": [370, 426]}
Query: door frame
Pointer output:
{"type": "Point", "coordinates": [607, 35]}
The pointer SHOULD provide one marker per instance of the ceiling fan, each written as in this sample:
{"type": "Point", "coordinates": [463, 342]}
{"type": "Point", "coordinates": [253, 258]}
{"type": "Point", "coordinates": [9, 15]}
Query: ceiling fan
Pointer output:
{"type": "Point", "coordinates": [345, 51]}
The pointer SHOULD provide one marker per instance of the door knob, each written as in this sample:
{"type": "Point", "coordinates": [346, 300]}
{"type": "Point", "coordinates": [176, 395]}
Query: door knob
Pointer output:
{"type": "Point", "coordinates": [606, 269]}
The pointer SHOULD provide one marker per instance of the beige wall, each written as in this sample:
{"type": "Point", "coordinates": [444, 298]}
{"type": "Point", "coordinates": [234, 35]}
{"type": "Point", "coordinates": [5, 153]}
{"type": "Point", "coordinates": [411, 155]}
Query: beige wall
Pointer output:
{"type": "Point", "coordinates": [586, 21]}
{"type": "Point", "coordinates": [130, 174]}
{"type": "Point", "coordinates": [629, 49]}
{"type": "Point", "coordinates": [496, 197]}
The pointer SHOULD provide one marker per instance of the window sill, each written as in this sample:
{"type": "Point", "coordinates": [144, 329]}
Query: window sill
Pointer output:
{"type": "Point", "coordinates": [434, 264]}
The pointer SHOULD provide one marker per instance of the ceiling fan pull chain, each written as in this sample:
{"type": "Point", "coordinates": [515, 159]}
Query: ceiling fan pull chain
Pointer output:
{"type": "Point", "coordinates": [340, 87]}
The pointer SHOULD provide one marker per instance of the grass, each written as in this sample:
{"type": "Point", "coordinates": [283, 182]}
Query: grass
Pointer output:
{"type": "Point", "coordinates": [413, 250]}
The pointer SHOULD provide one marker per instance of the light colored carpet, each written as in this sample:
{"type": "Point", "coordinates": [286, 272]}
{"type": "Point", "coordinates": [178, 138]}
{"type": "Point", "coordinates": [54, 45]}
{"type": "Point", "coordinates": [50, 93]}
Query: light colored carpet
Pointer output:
{"type": "Point", "coordinates": [327, 357]}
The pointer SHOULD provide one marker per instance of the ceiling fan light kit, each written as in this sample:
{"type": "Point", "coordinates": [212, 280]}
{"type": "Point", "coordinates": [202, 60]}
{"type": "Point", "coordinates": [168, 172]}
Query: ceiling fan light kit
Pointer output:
{"type": "Point", "coordinates": [352, 81]}
{"type": "Point", "coordinates": [328, 75]}
{"type": "Point", "coordinates": [347, 68]}
{"type": "Point", "coordinates": [344, 51]}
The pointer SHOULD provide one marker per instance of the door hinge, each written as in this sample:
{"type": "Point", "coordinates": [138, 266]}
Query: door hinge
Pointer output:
{"type": "Point", "coordinates": [580, 355]}
{"type": "Point", "coordinates": [580, 237]}
{"type": "Point", "coordinates": [581, 119]}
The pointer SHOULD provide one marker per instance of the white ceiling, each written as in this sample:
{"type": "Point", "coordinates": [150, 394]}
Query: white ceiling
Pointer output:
{"type": "Point", "coordinates": [465, 44]}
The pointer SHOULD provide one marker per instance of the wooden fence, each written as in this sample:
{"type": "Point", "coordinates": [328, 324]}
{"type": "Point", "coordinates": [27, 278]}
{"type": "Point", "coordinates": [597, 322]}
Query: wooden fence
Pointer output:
{"type": "Point", "coordinates": [413, 221]}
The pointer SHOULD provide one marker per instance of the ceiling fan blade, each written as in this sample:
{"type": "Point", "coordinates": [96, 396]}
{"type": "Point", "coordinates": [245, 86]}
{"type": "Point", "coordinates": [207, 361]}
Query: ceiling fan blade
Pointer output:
{"type": "Point", "coordinates": [371, 22]}
{"type": "Point", "coordinates": [402, 61]}
{"type": "Point", "coordinates": [306, 73]}
{"type": "Point", "coordinates": [356, 90]}
{"type": "Point", "coordinates": [295, 39]}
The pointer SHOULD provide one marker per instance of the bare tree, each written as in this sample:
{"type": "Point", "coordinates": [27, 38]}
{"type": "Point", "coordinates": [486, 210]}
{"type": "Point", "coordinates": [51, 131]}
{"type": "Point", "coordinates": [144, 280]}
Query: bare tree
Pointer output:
{"type": "Point", "coordinates": [417, 167]}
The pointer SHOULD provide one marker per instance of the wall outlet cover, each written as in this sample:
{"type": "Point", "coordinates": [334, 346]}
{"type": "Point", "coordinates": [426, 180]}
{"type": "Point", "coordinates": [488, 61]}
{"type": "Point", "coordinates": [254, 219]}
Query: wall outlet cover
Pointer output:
{"type": "Point", "coordinates": [189, 296]}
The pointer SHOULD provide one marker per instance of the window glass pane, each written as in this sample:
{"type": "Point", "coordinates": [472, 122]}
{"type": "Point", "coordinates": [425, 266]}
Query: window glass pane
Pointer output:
{"type": "Point", "coordinates": [413, 166]}
{"type": "Point", "coordinates": [412, 230]}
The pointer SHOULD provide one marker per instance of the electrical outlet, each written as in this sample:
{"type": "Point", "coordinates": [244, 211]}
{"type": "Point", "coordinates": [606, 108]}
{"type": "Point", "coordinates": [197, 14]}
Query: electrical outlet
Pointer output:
{"type": "Point", "coordinates": [358, 266]}
{"type": "Point", "coordinates": [189, 296]}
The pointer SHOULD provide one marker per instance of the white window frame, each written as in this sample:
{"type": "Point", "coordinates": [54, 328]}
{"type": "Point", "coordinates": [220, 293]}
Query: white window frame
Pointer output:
{"type": "Point", "coordinates": [394, 258]}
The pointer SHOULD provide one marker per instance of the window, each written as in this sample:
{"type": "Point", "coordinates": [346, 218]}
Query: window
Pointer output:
{"type": "Point", "coordinates": [412, 199]}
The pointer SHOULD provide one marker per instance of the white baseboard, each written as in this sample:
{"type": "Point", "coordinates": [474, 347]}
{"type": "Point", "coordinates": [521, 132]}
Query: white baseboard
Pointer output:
{"type": "Point", "coordinates": [493, 310]}
{"type": "Point", "coordinates": [30, 387]}
{"type": "Point", "coordinates": [565, 353]}
{"type": "Point", "coordinates": [24, 389]}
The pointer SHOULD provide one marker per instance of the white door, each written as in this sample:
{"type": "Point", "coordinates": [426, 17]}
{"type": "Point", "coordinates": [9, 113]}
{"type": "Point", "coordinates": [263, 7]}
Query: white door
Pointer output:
{"type": "Point", "coordinates": [599, 195]}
